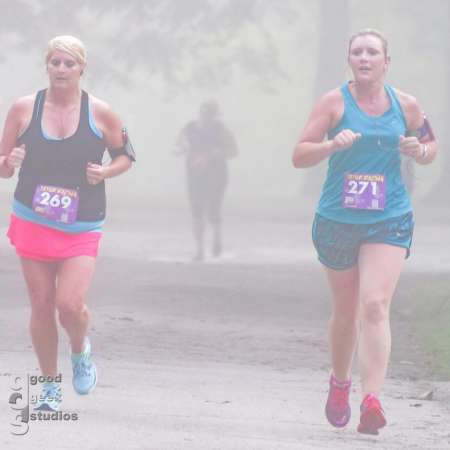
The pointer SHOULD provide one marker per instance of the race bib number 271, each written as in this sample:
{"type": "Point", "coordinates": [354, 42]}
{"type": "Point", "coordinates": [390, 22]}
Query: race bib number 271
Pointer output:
{"type": "Point", "coordinates": [364, 191]}
{"type": "Point", "coordinates": [56, 203]}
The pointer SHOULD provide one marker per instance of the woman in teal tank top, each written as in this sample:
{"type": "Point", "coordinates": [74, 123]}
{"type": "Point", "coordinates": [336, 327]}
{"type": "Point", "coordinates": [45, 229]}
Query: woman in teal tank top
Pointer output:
{"type": "Point", "coordinates": [363, 225]}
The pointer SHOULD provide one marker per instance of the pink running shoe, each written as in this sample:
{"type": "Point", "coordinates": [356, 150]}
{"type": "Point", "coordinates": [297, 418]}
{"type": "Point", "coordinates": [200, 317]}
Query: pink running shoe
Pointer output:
{"type": "Point", "coordinates": [372, 415]}
{"type": "Point", "coordinates": [338, 410]}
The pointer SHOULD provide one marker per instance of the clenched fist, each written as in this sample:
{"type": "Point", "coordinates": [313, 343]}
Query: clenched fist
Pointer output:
{"type": "Point", "coordinates": [16, 157]}
{"type": "Point", "coordinates": [345, 139]}
{"type": "Point", "coordinates": [95, 173]}
{"type": "Point", "coordinates": [410, 146]}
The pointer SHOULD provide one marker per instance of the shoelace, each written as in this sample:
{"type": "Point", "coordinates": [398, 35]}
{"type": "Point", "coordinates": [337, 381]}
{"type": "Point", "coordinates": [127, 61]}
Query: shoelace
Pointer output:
{"type": "Point", "coordinates": [371, 402]}
{"type": "Point", "coordinates": [82, 367]}
{"type": "Point", "coordinates": [53, 392]}
{"type": "Point", "coordinates": [339, 397]}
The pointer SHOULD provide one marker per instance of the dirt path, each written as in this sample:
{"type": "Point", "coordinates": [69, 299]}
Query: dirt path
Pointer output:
{"type": "Point", "coordinates": [225, 355]}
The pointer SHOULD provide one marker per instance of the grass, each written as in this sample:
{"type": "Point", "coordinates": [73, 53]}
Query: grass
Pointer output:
{"type": "Point", "coordinates": [432, 322]}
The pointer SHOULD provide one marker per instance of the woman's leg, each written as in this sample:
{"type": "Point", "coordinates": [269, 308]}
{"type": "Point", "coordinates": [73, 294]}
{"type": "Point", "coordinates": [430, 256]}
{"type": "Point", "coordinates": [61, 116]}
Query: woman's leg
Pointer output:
{"type": "Point", "coordinates": [343, 333]}
{"type": "Point", "coordinates": [343, 325]}
{"type": "Point", "coordinates": [40, 278]}
{"type": "Point", "coordinates": [74, 278]}
{"type": "Point", "coordinates": [380, 266]}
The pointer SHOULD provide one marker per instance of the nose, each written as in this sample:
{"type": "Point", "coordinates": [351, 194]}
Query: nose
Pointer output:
{"type": "Point", "coordinates": [61, 68]}
{"type": "Point", "coordinates": [364, 56]}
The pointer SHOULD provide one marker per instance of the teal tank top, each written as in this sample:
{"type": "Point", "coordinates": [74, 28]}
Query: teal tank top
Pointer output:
{"type": "Point", "coordinates": [376, 152]}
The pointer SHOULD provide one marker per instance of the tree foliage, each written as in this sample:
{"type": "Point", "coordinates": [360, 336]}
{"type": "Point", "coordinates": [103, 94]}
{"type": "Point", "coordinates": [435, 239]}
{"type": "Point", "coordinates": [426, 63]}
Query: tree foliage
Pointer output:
{"type": "Point", "coordinates": [161, 37]}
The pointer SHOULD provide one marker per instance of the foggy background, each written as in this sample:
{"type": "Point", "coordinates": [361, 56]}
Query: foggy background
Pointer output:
{"type": "Point", "coordinates": [265, 61]}
{"type": "Point", "coordinates": [239, 345]}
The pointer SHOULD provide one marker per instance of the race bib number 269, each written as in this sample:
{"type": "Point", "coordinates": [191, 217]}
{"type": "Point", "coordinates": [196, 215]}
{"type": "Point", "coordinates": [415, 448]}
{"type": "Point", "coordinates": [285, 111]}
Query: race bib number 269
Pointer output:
{"type": "Point", "coordinates": [56, 203]}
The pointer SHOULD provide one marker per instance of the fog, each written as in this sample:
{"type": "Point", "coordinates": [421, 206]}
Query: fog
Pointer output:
{"type": "Point", "coordinates": [264, 61]}
{"type": "Point", "coordinates": [230, 353]}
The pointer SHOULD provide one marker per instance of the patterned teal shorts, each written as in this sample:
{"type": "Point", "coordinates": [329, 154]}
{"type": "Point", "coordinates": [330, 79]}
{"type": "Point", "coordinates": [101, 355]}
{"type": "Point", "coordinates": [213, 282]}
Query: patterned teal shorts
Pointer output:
{"type": "Point", "coordinates": [338, 243]}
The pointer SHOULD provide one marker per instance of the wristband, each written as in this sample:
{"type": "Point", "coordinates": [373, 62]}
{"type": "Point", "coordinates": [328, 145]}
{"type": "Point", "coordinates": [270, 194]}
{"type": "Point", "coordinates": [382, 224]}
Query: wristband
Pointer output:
{"type": "Point", "coordinates": [423, 151]}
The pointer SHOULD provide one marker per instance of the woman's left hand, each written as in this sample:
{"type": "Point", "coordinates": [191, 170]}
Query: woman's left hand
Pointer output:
{"type": "Point", "coordinates": [95, 173]}
{"type": "Point", "coordinates": [410, 146]}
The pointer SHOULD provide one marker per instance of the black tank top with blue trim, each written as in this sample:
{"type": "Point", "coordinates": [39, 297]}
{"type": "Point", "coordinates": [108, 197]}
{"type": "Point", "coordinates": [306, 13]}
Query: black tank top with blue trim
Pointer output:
{"type": "Point", "coordinates": [62, 162]}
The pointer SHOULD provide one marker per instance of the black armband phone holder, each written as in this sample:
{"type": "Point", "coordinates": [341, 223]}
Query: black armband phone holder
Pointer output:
{"type": "Point", "coordinates": [424, 133]}
{"type": "Point", "coordinates": [127, 148]}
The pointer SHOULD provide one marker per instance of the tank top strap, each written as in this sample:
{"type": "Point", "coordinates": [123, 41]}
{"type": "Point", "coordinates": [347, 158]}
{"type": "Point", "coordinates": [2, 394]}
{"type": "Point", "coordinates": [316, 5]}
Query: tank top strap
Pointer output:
{"type": "Point", "coordinates": [392, 97]}
{"type": "Point", "coordinates": [347, 95]}
{"type": "Point", "coordinates": [84, 110]}
{"type": "Point", "coordinates": [396, 107]}
{"type": "Point", "coordinates": [39, 106]}
{"type": "Point", "coordinates": [350, 105]}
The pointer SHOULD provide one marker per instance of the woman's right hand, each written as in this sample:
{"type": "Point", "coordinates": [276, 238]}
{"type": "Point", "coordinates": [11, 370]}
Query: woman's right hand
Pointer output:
{"type": "Point", "coordinates": [16, 157]}
{"type": "Point", "coordinates": [345, 139]}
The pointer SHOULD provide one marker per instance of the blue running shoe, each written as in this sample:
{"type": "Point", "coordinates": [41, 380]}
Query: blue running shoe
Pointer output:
{"type": "Point", "coordinates": [84, 372]}
{"type": "Point", "coordinates": [50, 399]}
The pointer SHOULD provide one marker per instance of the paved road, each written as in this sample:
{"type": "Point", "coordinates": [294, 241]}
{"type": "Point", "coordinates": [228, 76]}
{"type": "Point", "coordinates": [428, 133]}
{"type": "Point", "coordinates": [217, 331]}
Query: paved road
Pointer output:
{"type": "Point", "coordinates": [224, 355]}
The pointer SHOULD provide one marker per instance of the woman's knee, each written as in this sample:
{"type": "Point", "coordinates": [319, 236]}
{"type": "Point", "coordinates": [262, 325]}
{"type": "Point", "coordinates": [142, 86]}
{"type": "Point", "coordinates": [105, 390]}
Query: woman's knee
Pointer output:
{"type": "Point", "coordinates": [70, 308]}
{"type": "Point", "coordinates": [42, 312]}
{"type": "Point", "coordinates": [347, 320]}
{"type": "Point", "coordinates": [375, 309]}
{"type": "Point", "coordinates": [345, 308]}
{"type": "Point", "coordinates": [42, 303]}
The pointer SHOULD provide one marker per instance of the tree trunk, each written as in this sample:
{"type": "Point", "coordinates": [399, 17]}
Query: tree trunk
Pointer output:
{"type": "Point", "coordinates": [332, 60]}
{"type": "Point", "coordinates": [442, 187]}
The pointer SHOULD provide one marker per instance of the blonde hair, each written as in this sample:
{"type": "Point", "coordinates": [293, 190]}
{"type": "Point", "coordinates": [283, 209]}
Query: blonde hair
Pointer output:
{"type": "Point", "coordinates": [370, 32]}
{"type": "Point", "coordinates": [69, 44]}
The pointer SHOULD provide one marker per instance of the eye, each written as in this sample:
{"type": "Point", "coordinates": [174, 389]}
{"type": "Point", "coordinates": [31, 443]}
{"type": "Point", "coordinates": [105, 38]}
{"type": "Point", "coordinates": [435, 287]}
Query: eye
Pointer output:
{"type": "Point", "coordinates": [69, 64]}
{"type": "Point", "coordinates": [373, 51]}
{"type": "Point", "coordinates": [356, 51]}
{"type": "Point", "coordinates": [55, 62]}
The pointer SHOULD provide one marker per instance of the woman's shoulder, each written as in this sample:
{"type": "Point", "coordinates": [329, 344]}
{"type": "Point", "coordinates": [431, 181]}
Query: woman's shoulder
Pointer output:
{"type": "Point", "coordinates": [331, 103]}
{"type": "Point", "coordinates": [24, 104]}
{"type": "Point", "coordinates": [410, 107]}
{"type": "Point", "coordinates": [405, 99]}
{"type": "Point", "coordinates": [332, 97]}
{"type": "Point", "coordinates": [98, 105]}
{"type": "Point", "coordinates": [103, 114]}
{"type": "Point", "coordinates": [106, 120]}
{"type": "Point", "coordinates": [21, 111]}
